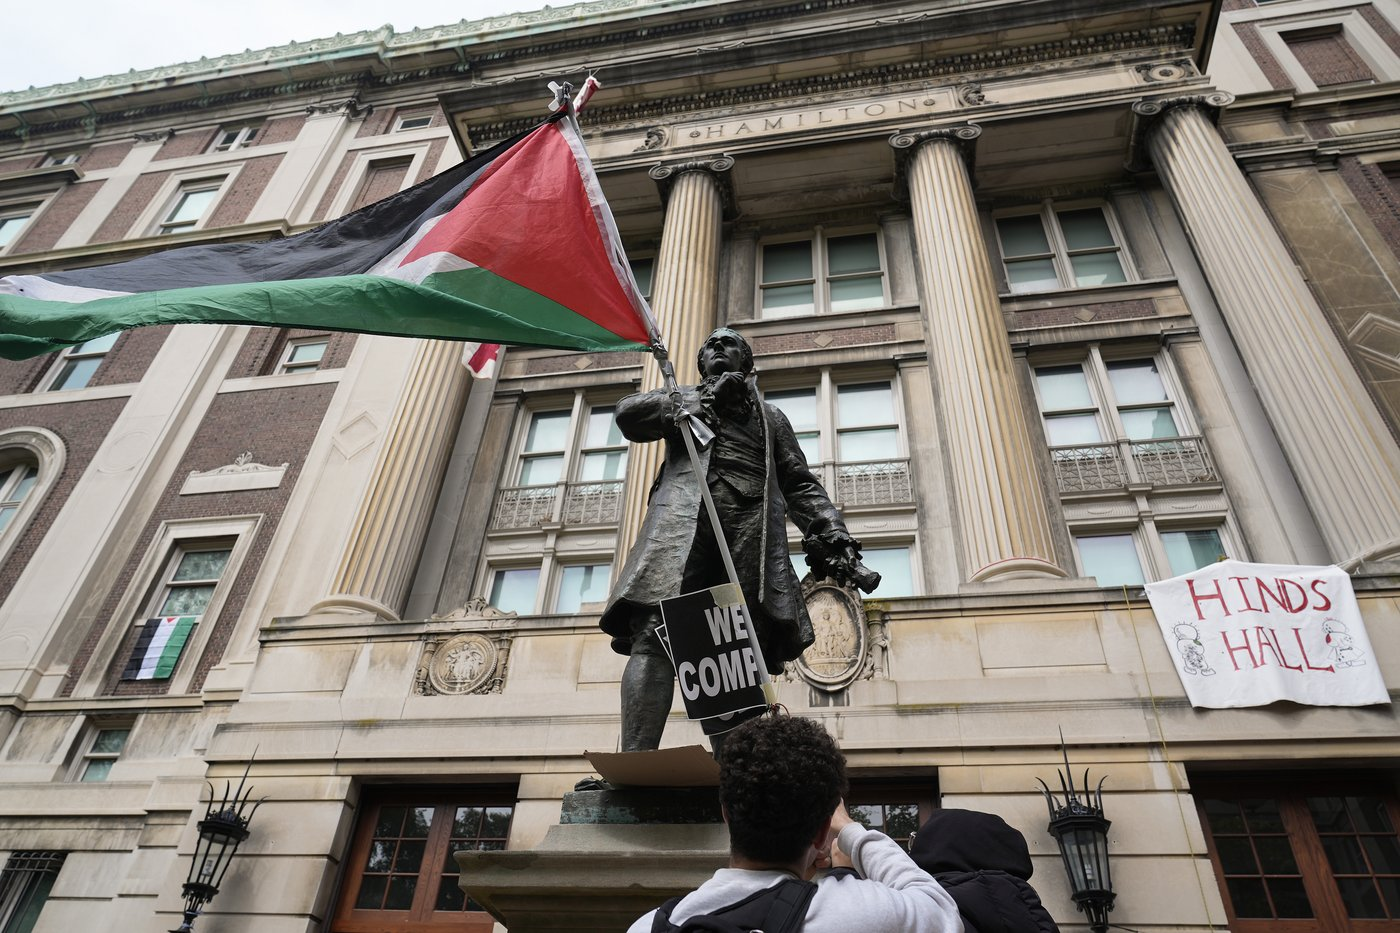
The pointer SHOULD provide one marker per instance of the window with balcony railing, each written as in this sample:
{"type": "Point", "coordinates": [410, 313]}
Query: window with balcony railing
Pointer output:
{"type": "Point", "coordinates": [569, 470]}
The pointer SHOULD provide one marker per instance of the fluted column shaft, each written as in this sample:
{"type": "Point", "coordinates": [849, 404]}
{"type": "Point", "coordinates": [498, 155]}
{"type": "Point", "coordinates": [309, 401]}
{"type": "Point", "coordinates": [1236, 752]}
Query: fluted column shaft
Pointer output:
{"type": "Point", "coordinates": [376, 569]}
{"type": "Point", "coordinates": [1005, 527]}
{"type": "Point", "coordinates": [1346, 463]}
{"type": "Point", "coordinates": [685, 296]}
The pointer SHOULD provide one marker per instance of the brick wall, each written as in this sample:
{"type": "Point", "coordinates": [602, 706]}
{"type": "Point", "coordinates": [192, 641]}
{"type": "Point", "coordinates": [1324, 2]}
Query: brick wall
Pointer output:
{"type": "Point", "coordinates": [1327, 57]}
{"type": "Point", "coordinates": [280, 130]}
{"type": "Point", "coordinates": [806, 340]}
{"type": "Point", "coordinates": [131, 355]}
{"type": "Point", "coordinates": [1378, 195]}
{"type": "Point", "coordinates": [263, 347]}
{"type": "Point", "coordinates": [237, 203]}
{"type": "Point", "coordinates": [430, 163]}
{"type": "Point", "coordinates": [381, 180]}
{"type": "Point", "coordinates": [106, 156]}
{"type": "Point", "coordinates": [1382, 26]}
{"type": "Point", "coordinates": [21, 164]}
{"type": "Point", "coordinates": [342, 171]}
{"type": "Point", "coordinates": [376, 123]}
{"type": "Point", "coordinates": [1254, 43]}
{"type": "Point", "coordinates": [1085, 314]}
{"type": "Point", "coordinates": [186, 143]}
{"type": "Point", "coordinates": [82, 426]}
{"type": "Point", "coordinates": [120, 221]}
{"type": "Point", "coordinates": [278, 426]}
{"type": "Point", "coordinates": [57, 217]}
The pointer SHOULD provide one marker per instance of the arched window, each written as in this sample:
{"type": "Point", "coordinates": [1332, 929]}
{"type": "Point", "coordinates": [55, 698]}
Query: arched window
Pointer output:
{"type": "Point", "coordinates": [31, 460]}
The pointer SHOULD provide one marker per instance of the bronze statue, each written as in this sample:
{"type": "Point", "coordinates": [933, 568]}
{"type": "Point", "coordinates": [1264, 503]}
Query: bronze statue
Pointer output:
{"type": "Point", "coordinates": [756, 474]}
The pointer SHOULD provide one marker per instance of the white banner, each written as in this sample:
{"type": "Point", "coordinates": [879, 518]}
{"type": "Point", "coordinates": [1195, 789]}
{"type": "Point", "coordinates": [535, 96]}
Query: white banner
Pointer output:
{"type": "Point", "coordinates": [1250, 634]}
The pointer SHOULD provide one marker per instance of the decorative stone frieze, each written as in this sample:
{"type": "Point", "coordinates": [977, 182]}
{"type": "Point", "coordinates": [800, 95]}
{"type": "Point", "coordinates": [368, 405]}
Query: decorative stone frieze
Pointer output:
{"type": "Point", "coordinates": [243, 473]}
{"type": "Point", "coordinates": [350, 106]}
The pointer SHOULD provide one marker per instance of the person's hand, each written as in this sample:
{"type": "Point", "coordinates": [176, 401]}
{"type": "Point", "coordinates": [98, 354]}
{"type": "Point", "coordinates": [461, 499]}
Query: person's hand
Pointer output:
{"type": "Point", "coordinates": [840, 819]}
{"type": "Point", "coordinates": [729, 387]}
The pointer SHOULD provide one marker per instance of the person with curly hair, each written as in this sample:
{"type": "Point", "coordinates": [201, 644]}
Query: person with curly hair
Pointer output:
{"type": "Point", "coordinates": [781, 785]}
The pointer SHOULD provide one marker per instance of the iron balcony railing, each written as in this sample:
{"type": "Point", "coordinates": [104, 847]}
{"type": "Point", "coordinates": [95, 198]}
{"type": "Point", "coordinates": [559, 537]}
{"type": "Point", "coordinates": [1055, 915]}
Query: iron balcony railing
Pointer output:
{"type": "Point", "coordinates": [1173, 461]}
{"type": "Point", "coordinates": [874, 482]}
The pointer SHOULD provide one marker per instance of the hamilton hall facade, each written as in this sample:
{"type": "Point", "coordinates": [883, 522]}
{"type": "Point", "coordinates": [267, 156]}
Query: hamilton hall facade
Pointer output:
{"type": "Point", "coordinates": [1060, 297]}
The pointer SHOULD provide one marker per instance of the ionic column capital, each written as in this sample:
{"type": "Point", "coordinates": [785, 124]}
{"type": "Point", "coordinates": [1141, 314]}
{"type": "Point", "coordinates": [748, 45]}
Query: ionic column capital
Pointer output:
{"type": "Point", "coordinates": [1148, 112]}
{"type": "Point", "coordinates": [963, 136]}
{"type": "Point", "coordinates": [716, 167]}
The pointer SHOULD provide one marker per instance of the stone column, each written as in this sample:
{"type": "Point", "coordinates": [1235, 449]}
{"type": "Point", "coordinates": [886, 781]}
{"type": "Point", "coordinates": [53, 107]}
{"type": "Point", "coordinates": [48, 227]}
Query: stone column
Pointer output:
{"type": "Point", "coordinates": [685, 300]}
{"type": "Point", "coordinates": [1345, 461]}
{"type": "Point", "coordinates": [376, 569]}
{"type": "Point", "coordinates": [1004, 523]}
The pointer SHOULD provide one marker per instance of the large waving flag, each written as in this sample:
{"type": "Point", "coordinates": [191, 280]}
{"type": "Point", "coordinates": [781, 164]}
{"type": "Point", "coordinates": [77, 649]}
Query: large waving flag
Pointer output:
{"type": "Point", "coordinates": [515, 246]}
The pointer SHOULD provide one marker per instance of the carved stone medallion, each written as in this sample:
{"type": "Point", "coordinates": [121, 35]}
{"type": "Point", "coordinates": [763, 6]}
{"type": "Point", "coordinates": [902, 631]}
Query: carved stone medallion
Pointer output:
{"type": "Point", "coordinates": [463, 664]}
{"type": "Point", "coordinates": [838, 655]}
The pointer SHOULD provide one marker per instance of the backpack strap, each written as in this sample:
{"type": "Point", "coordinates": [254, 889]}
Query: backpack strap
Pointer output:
{"type": "Point", "coordinates": [781, 908]}
{"type": "Point", "coordinates": [788, 909]}
{"type": "Point", "coordinates": [661, 920]}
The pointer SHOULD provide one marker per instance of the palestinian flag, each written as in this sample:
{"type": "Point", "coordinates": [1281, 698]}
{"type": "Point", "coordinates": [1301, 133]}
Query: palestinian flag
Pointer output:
{"type": "Point", "coordinates": [514, 246]}
{"type": "Point", "coordinates": [158, 646]}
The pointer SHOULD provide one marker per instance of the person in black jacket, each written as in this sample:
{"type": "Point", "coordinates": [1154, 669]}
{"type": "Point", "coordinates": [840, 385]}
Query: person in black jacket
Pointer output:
{"type": "Point", "coordinates": [985, 865]}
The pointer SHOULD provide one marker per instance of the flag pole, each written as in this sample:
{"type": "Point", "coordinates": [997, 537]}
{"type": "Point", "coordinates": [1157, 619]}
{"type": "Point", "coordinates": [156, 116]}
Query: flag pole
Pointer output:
{"type": "Point", "coordinates": [691, 428]}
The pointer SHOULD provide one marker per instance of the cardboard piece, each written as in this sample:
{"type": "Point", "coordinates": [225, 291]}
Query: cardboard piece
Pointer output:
{"type": "Point", "coordinates": [688, 766]}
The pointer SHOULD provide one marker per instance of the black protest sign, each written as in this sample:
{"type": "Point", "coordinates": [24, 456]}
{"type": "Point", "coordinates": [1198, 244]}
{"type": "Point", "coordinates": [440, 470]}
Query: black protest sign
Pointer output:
{"type": "Point", "coordinates": [711, 644]}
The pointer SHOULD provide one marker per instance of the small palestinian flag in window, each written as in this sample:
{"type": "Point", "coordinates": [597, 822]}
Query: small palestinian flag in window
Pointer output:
{"type": "Point", "coordinates": [158, 646]}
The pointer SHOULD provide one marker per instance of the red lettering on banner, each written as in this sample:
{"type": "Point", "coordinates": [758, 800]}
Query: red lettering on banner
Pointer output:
{"type": "Point", "coordinates": [1298, 637]}
{"type": "Point", "coordinates": [1326, 603]}
{"type": "Point", "coordinates": [1198, 598]}
{"type": "Point", "coordinates": [1244, 633]}
{"type": "Point", "coordinates": [1270, 637]}
{"type": "Point", "coordinates": [1244, 595]}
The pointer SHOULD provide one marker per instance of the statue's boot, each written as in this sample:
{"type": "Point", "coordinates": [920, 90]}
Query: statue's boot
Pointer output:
{"type": "Point", "coordinates": [648, 684]}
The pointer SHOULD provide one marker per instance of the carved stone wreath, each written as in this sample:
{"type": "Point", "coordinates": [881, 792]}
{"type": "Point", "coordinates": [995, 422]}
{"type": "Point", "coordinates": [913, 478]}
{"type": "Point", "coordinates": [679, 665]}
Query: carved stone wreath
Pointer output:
{"type": "Point", "coordinates": [463, 664]}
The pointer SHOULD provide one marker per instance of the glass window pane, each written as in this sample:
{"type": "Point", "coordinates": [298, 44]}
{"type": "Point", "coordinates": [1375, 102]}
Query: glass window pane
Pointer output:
{"type": "Point", "coordinates": [390, 822]}
{"type": "Point", "coordinates": [1383, 853]}
{"type": "Point", "coordinates": [582, 583]}
{"type": "Point", "coordinates": [868, 403]}
{"type": "Point", "coordinates": [202, 565]}
{"type": "Point", "coordinates": [871, 816]}
{"type": "Point", "coordinates": [642, 272]}
{"type": "Point", "coordinates": [541, 471]}
{"type": "Point", "coordinates": [76, 373]}
{"type": "Point", "coordinates": [1290, 899]}
{"type": "Point", "coordinates": [409, 856]}
{"type": "Point", "coordinates": [602, 430]}
{"type": "Point", "coordinates": [110, 741]}
{"type": "Point", "coordinates": [603, 466]}
{"type": "Point", "coordinates": [1344, 855]}
{"type": "Point", "coordinates": [549, 430]}
{"type": "Point", "coordinates": [496, 824]}
{"type": "Point", "coordinates": [1022, 236]}
{"type": "Point", "coordinates": [450, 896]}
{"type": "Point", "coordinates": [1262, 815]}
{"type": "Point", "coordinates": [858, 446]}
{"type": "Point", "coordinates": [1136, 382]}
{"type": "Point", "coordinates": [1361, 898]}
{"type": "Point", "coordinates": [1063, 388]}
{"type": "Point", "coordinates": [420, 820]}
{"type": "Point", "coordinates": [1329, 814]}
{"type": "Point", "coordinates": [98, 769]}
{"type": "Point", "coordinates": [862, 294]}
{"type": "Point", "coordinates": [800, 406]}
{"type": "Point", "coordinates": [787, 301]}
{"type": "Point", "coordinates": [307, 352]}
{"type": "Point", "coordinates": [892, 564]}
{"type": "Point", "coordinates": [98, 344]}
{"type": "Point", "coordinates": [186, 600]}
{"type": "Point", "coordinates": [6, 513]}
{"type": "Point", "coordinates": [1275, 855]}
{"type": "Point", "coordinates": [810, 443]}
{"type": "Point", "coordinates": [26, 483]}
{"type": "Point", "coordinates": [1236, 856]}
{"type": "Point", "coordinates": [901, 819]}
{"type": "Point", "coordinates": [1085, 228]}
{"type": "Point", "coordinates": [1224, 816]}
{"type": "Point", "coordinates": [847, 254]}
{"type": "Point", "coordinates": [1072, 430]}
{"type": "Point", "coordinates": [191, 206]}
{"type": "Point", "coordinates": [381, 855]}
{"type": "Point", "coordinates": [1192, 550]}
{"type": "Point", "coordinates": [1110, 559]}
{"type": "Point", "coordinates": [798, 559]}
{"type": "Point", "coordinates": [787, 262]}
{"type": "Point", "coordinates": [1031, 275]}
{"type": "Point", "coordinates": [1369, 815]}
{"type": "Point", "coordinates": [371, 896]}
{"type": "Point", "coordinates": [1097, 269]}
{"type": "Point", "coordinates": [1390, 892]}
{"type": "Point", "coordinates": [514, 590]}
{"type": "Point", "coordinates": [467, 821]}
{"type": "Point", "coordinates": [1147, 424]}
{"type": "Point", "coordinates": [10, 228]}
{"type": "Point", "coordinates": [400, 896]}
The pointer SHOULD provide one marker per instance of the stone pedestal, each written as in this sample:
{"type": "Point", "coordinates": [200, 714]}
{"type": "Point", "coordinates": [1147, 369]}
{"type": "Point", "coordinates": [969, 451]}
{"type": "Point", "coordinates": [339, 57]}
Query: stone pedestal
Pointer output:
{"type": "Point", "coordinates": [615, 855]}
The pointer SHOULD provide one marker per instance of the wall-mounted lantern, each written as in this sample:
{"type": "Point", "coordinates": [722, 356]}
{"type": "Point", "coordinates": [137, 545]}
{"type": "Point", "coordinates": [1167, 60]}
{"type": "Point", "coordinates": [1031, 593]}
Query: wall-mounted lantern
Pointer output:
{"type": "Point", "coordinates": [223, 829]}
{"type": "Point", "coordinates": [1081, 831]}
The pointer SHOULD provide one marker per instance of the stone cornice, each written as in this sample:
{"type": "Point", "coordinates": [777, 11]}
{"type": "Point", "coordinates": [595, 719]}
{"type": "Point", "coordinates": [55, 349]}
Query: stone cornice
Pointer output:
{"type": "Point", "coordinates": [973, 69]}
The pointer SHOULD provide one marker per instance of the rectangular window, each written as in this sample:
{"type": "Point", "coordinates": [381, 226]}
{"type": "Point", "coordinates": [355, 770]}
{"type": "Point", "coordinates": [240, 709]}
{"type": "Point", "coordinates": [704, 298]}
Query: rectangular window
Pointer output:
{"type": "Point", "coordinates": [405, 122]}
{"type": "Point", "coordinates": [61, 158]}
{"type": "Point", "coordinates": [303, 355]}
{"type": "Point", "coordinates": [515, 589]}
{"type": "Point", "coordinates": [1111, 559]}
{"type": "Point", "coordinates": [190, 206]}
{"type": "Point", "coordinates": [895, 809]}
{"type": "Point", "coordinates": [582, 583]}
{"type": "Point", "coordinates": [1327, 56]}
{"type": "Point", "coordinates": [103, 749]}
{"type": "Point", "coordinates": [1192, 549]}
{"type": "Point", "coordinates": [824, 274]}
{"type": "Point", "coordinates": [1304, 855]}
{"type": "Point", "coordinates": [542, 460]}
{"type": "Point", "coordinates": [13, 220]}
{"type": "Point", "coordinates": [642, 272]}
{"type": "Point", "coordinates": [180, 597]}
{"type": "Point", "coordinates": [25, 883]}
{"type": "Point", "coordinates": [400, 873]}
{"type": "Point", "coordinates": [234, 136]}
{"type": "Point", "coordinates": [77, 365]}
{"type": "Point", "coordinates": [1054, 248]}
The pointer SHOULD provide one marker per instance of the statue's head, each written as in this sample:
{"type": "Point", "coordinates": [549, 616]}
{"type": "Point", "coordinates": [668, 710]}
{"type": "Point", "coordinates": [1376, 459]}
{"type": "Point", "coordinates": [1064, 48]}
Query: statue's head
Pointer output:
{"type": "Point", "coordinates": [724, 351]}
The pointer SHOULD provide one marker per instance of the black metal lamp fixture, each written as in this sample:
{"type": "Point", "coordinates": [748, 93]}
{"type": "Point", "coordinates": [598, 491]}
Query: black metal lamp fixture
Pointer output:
{"type": "Point", "coordinates": [1081, 831]}
{"type": "Point", "coordinates": [223, 829]}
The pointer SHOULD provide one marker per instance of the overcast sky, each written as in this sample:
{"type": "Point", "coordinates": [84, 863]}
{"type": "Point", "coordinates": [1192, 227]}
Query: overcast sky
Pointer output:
{"type": "Point", "coordinates": [52, 43]}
